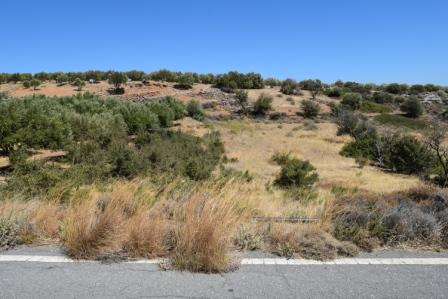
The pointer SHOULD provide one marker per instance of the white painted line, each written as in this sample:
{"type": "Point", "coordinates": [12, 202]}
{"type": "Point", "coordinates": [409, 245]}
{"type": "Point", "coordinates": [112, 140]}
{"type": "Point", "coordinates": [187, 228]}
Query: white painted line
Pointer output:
{"type": "Point", "coordinates": [246, 261]}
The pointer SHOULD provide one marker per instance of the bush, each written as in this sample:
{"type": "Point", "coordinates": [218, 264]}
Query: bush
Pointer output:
{"type": "Point", "coordinates": [117, 78]}
{"type": "Point", "coordinates": [310, 109]}
{"type": "Point", "coordinates": [412, 107]}
{"type": "Point", "coordinates": [314, 86]}
{"type": "Point", "coordinates": [134, 75]}
{"type": "Point", "coordinates": [241, 97]}
{"type": "Point", "coordinates": [382, 97]}
{"type": "Point", "coordinates": [295, 173]}
{"type": "Point", "coordinates": [35, 83]}
{"type": "Point", "coordinates": [79, 83]}
{"type": "Point", "coordinates": [356, 125]}
{"type": "Point", "coordinates": [352, 100]}
{"type": "Point", "coordinates": [390, 219]}
{"type": "Point", "coordinates": [290, 87]}
{"type": "Point", "coordinates": [271, 82]}
{"type": "Point", "coordinates": [397, 88]}
{"type": "Point", "coordinates": [185, 81]}
{"type": "Point", "coordinates": [26, 84]}
{"type": "Point", "coordinates": [194, 110]}
{"type": "Point", "coordinates": [263, 104]}
{"type": "Point", "coordinates": [334, 92]}
{"type": "Point", "coordinates": [9, 234]}
{"type": "Point", "coordinates": [404, 154]}
{"type": "Point", "coordinates": [235, 80]}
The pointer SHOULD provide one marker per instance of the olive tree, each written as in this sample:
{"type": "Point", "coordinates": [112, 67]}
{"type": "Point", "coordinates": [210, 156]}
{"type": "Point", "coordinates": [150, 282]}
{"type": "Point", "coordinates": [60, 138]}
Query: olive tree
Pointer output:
{"type": "Point", "coordinates": [116, 79]}
{"type": "Point", "coordinates": [79, 83]}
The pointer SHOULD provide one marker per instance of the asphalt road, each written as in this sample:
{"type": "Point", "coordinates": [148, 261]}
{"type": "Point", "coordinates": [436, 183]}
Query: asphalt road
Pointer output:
{"type": "Point", "coordinates": [123, 280]}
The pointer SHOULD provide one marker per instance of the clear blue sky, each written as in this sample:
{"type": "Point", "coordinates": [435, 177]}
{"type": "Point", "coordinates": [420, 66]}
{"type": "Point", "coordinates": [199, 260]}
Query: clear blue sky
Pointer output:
{"type": "Point", "coordinates": [366, 41]}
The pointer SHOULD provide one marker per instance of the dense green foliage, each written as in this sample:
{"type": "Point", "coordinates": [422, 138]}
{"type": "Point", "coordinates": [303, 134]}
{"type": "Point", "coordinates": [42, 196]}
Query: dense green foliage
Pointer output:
{"type": "Point", "coordinates": [263, 104]}
{"type": "Point", "coordinates": [290, 87]}
{"type": "Point", "coordinates": [241, 97]}
{"type": "Point", "coordinates": [295, 173]}
{"type": "Point", "coordinates": [194, 110]}
{"type": "Point", "coordinates": [412, 107]}
{"type": "Point", "coordinates": [103, 138]}
{"type": "Point", "coordinates": [310, 108]}
{"type": "Point", "coordinates": [334, 92]}
{"type": "Point", "coordinates": [352, 100]}
{"type": "Point", "coordinates": [117, 78]}
{"type": "Point", "coordinates": [235, 80]}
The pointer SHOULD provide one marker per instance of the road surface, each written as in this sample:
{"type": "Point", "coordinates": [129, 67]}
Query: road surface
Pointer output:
{"type": "Point", "coordinates": [47, 274]}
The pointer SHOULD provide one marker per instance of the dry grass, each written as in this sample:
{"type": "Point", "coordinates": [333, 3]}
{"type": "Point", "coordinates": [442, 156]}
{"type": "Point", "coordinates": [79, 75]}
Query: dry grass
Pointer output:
{"type": "Point", "coordinates": [203, 238]}
{"type": "Point", "coordinates": [321, 147]}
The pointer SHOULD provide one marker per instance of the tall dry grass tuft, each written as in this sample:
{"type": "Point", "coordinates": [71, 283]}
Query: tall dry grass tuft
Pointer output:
{"type": "Point", "coordinates": [92, 227]}
{"type": "Point", "coordinates": [147, 234]}
{"type": "Point", "coordinates": [47, 220]}
{"type": "Point", "coordinates": [204, 236]}
{"type": "Point", "coordinates": [94, 224]}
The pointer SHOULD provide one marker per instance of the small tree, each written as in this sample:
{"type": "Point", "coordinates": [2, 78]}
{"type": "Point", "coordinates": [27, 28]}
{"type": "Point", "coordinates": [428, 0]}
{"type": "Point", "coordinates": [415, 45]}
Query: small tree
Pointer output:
{"type": "Point", "coordinates": [263, 104]}
{"type": "Point", "coordinates": [79, 83]}
{"type": "Point", "coordinates": [61, 78]}
{"type": "Point", "coordinates": [352, 100]}
{"type": "Point", "coordinates": [435, 141]}
{"type": "Point", "coordinates": [194, 110]}
{"type": "Point", "coordinates": [295, 173]}
{"type": "Point", "coordinates": [314, 86]}
{"type": "Point", "coordinates": [26, 84]}
{"type": "Point", "coordinates": [185, 81]}
{"type": "Point", "coordinates": [241, 97]}
{"type": "Point", "coordinates": [412, 107]}
{"type": "Point", "coordinates": [290, 87]}
{"type": "Point", "coordinates": [271, 82]}
{"type": "Point", "coordinates": [310, 109]}
{"type": "Point", "coordinates": [35, 83]}
{"type": "Point", "coordinates": [116, 79]}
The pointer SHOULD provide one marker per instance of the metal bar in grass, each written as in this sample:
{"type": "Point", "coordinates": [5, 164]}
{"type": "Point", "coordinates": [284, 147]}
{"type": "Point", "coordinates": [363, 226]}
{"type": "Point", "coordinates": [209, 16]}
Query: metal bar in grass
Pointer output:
{"type": "Point", "coordinates": [286, 219]}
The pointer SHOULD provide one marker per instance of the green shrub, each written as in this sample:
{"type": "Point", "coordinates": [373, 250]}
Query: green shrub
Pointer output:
{"type": "Point", "coordinates": [334, 92]}
{"type": "Point", "coordinates": [263, 104]}
{"type": "Point", "coordinates": [382, 97]}
{"type": "Point", "coordinates": [290, 87]}
{"type": "Point", "coordinates": [79, 83]}
{"type": "Point", "coordinates": [117, 79]}
{"type": "Point", "coordinates": [134, 75]}
{"type": "Point", "coordinates": [27, 84]}
{"type": "Point", "coordinates": [356, 125]}
{"type": "Point", "coordinates": [295, 173]}
{"type": "Point", "coordinates": [271, 82]}
{"type": "Point", "coordinates": [234, 80]}
{"type": "Point", "coordinates": [364, 147]}
{"type": "Point", "coordinates": [404, 154]}
{"type": "Point", "coordinates": [412, 107]}
{"type": "Point", "coordinates": [310, 109]}
{"type": "Point", "coordinates": [194, 110]}
{"type": "Point", "coordinates": [185, 81]}
{"type": "Point", "coordinates": [396, 88]}
{"type": "Point", "coordinates": [352, 100]}
{"type": "Point", "coordinates": [35, 83]}
{"type": "Point", "coordinates": [241, 97]}
{"type": "Point", "coordinates": [314, 86]}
